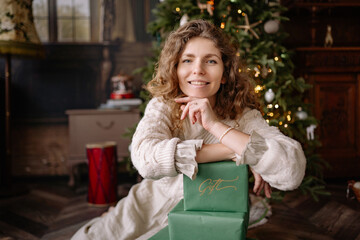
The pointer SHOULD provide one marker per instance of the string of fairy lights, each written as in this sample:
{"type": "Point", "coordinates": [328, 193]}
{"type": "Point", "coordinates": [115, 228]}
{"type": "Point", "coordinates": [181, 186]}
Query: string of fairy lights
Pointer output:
{"type": "Point", "coordinates": [273, 109]}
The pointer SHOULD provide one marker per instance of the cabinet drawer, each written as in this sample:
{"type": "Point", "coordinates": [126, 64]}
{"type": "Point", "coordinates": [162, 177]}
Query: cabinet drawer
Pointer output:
{"type": "Point", "coordinates": [100, 126]}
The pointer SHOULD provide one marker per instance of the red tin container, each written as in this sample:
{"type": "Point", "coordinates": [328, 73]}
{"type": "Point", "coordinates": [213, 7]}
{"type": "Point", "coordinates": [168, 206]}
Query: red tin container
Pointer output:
{"type": "Point", "coordinates": [102, 159]}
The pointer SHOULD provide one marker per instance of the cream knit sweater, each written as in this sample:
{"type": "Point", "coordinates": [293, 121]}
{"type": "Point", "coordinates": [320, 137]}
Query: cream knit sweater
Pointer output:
{"type": "Point", "coordinates": [162, 159]}
{"type": "Point", "coordinates": [156, 153]}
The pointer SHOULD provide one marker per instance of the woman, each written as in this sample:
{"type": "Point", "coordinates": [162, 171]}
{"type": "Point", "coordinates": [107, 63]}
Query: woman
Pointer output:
{"type": "Point", "coordinates": [203, 110]}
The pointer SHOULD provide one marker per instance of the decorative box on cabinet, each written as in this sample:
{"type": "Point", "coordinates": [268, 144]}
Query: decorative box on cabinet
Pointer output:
{"type": "Point", "coordinates": [335, 76]}
{"type": "Point", "coordinates": [92, 126]}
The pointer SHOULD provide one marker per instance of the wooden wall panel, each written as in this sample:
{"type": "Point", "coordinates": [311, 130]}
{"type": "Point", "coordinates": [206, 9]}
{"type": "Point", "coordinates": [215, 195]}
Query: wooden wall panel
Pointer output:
{"type": "Point", "coordinates": [335, 106]}
{"type": "Point", "coordinates": [335, 76]}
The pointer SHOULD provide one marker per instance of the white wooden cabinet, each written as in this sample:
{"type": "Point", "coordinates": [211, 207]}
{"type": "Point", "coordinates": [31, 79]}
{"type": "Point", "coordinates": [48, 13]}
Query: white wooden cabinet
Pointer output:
{"type": "Point", "coordinates": [96, 125]}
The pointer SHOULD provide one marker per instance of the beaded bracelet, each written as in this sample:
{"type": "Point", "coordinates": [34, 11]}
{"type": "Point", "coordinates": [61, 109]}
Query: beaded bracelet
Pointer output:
{"type": "Point", "coordinates": [223, 135]}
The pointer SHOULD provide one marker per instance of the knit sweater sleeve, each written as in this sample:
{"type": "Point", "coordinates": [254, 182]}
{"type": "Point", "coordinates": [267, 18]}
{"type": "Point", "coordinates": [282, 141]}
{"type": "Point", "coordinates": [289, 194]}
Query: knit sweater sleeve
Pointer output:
{"type": "Point", "coordinates": [279, 159]}
{"type": "Point", "coordinates": [155, 152]}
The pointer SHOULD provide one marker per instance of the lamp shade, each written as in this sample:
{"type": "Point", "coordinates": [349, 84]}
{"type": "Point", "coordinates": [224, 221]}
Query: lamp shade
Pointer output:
{"type": "Point", "coordinates": [18, 34]}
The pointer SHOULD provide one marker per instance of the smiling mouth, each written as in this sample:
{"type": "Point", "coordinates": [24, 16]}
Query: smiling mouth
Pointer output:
{"type": "Point", "coordinates": [198, 83]}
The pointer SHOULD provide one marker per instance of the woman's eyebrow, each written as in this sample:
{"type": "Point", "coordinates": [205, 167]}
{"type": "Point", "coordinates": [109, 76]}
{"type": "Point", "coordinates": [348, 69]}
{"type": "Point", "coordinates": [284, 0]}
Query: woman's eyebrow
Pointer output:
{"type": "Point", "coordinates": [206, 56]}
{"type": "Point", "coordinates": [187, 55]}
{"type": "Point", "coordinates": [211, 55]}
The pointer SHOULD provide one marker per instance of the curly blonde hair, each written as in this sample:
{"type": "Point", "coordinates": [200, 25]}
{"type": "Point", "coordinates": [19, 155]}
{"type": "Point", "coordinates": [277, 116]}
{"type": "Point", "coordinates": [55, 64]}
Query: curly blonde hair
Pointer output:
{"type": "Point", "coordinates": [232, 97]}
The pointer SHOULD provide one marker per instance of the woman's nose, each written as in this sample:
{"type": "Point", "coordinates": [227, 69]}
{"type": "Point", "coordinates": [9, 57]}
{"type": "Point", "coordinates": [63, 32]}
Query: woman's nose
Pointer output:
{"type": "Point", "coordinates": [198, 68]}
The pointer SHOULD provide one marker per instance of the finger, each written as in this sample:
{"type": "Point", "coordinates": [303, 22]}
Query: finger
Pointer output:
{"type": "Point", "coordinates": [194, 111]}
{"type": "Point", "coordinates": [183, 100]}
{"type": "Point", "coordinates": [257, 182]}
{"type": "Point", "coordinates": [268, 190]}
{"type": "Point", "coordinates": [185, 111]}
{"type": "Point", "coordinates": [198, 117]}
{"type": "Point", "coordinates": [261, 187]}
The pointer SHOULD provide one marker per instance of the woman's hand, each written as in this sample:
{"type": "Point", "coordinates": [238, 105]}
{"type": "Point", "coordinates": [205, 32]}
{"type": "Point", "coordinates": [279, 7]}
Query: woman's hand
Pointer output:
{"type": "Point", "coordinates": [260, 184]}
{"type": "Point", "coordinates": [198, 110]}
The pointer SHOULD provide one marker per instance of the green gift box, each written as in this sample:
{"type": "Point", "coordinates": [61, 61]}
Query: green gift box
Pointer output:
{"type": "Point", "coordinates": [219, 186]}
{"type": "Point", "coordinates": [163, 234]}
{"type": "Point", "coordinates": [201, 225]}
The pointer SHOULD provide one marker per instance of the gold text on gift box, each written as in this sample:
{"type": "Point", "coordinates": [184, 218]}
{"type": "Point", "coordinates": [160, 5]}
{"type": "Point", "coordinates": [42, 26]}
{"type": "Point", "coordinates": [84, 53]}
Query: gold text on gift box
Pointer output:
{"type": "Point", "coordinates": [209, 185]}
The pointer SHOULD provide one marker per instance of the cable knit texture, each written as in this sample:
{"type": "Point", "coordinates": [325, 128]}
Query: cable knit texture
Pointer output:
{"type": "Point", "coordinates": [162, 158]}
{"type": "Point", "coordinates": [157, 153]}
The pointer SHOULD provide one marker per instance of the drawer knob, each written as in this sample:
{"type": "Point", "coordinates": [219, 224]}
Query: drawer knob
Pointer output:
{"type": "Point", "coordinates": [106, 127]}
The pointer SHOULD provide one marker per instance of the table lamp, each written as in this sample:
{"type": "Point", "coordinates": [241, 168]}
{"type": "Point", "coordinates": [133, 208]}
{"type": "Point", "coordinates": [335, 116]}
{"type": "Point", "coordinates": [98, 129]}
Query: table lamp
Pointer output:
{"type": "Point", "coordinates": [18, 37]}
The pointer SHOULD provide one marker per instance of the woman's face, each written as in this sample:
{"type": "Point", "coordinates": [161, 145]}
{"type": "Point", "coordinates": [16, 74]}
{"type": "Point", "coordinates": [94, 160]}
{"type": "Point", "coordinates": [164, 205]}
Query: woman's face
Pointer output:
{"type": "Point", "coordinates": [200, 69]}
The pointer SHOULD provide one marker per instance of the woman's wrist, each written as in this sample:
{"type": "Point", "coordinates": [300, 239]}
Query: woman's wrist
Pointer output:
{"type": "Point", "coordinates": [213, 153]}
{"type": "Point", "coordinates": [217, 129]}
{"type": "Point", "coordinates": [224, 133]}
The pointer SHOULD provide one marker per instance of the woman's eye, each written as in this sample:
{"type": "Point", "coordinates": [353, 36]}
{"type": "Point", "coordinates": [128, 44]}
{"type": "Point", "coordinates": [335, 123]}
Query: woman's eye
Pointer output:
{"type": "Point", "coordinates": [212, 61]}
{"type": "Point", "coordinates": [186, 61]}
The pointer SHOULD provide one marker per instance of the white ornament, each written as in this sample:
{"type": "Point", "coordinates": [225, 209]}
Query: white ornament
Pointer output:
{"type": "Point", "coordinates": [357, 185]}
{"type": "Point", "coordinates": [184, 19]}
{"type": "Point", "coordinates": [328, 38]}
{"type": "Point", "coordinates": [271, 26]}
{"type": "Point", "coordinates": [300, 114]}
{"type": "Point", "coordinates": [310, 132]}
{"type": "Point", "coordinates": [269, 95]}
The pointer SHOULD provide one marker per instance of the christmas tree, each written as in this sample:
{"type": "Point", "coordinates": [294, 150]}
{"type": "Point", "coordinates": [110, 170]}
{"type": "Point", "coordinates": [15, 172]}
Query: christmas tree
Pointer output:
{"type": "Point", "coordinates": [254, 26]}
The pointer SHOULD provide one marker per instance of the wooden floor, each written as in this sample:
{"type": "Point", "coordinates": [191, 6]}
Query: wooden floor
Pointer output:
{"type": "Point", "coordinates": [300, 217]}
{"type": "Point", "coordinates": [51, 210]}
